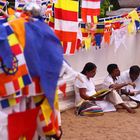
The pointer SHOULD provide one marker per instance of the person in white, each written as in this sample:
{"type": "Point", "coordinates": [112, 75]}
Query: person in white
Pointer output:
{"type": "Point", "coordinates": [112, 81]}
{"type": "Point", "coordinates": [85, 88]}
{"type": "Point", "coordinates": [67, 73]}
{"type": "Point", "coordinates": [85, 91]}
{"type": "Point", "coordinates": [132, 75]}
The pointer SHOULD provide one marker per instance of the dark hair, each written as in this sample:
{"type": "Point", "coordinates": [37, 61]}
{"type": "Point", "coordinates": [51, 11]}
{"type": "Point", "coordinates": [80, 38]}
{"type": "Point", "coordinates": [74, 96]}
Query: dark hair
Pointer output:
{"type": "Point", "coordinates": [88, 67]}
{"type": "Point", "coordinates": [134, 70]}
{"type": "Point", "coordinates": [111, 67]}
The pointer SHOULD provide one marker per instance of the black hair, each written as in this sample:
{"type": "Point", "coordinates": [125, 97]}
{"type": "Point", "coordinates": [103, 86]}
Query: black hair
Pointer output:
{"type": "Point", "coordinates": [135, 69]}
{"type": "Point", "coordinates": [88, 67]}
{"type": "Point", "coordinates": [111, 67]}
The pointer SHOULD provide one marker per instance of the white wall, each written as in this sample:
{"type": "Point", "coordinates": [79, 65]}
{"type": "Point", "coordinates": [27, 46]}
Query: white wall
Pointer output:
{"type": "Point", "coordinates": [124, 57]}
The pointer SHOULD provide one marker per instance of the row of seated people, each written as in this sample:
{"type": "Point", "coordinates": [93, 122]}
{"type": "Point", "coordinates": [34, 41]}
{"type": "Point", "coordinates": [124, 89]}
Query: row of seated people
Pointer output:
{"type": "Point", "coordinates": [120, 89]}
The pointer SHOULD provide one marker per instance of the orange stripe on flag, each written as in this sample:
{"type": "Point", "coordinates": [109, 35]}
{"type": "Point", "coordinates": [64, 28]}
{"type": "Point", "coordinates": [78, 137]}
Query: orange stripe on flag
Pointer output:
{"type": "Point", "coordinates": [2, 90]}
{"type": "Point", "coordinates": [8, 78]}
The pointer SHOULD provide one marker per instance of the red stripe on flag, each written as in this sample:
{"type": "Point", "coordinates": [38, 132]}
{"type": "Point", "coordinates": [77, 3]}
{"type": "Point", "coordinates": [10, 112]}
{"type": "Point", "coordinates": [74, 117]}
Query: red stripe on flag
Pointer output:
{"type": "Point", "coordinates": [37, 85]}
{"type": "Point", "coordinates": [72, 47]}
{"type": "Point", "coordinates": [5, 79]}
{"type": "Point", "coordinates": [16, 84]}
{"type": "Point", "coordinates": [25, 90]}
{"type": "Point", "coordinates": [66, 36]}
{"type": "Point", "coordinates": [2, 91]}
{"type": "Point", "coordinates": [84, 34]}
{"type": "Point", "coordinates": [16, 49]}
{"type": "Point", "coordinates": [41, 117]}
{"type": "Point", "coordinates": [51, 24]}
{"type": "Point", "coordinates": [93, 12]}
{"type": "Point", "coordinates": [48, 128]}
{"type": "Point", "coordinates": [78, 44]}
{"type": "Point", "coordinates": [66, 15]}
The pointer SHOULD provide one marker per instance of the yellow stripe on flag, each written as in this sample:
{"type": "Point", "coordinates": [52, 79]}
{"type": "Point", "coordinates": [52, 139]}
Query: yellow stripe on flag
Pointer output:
{"type": "Point", "coordinates": [20, 80]}
{"type": "Point", "coordinates": [1, 7]}
{"type": "Point", "coordinates": [130, 27]}
{"type": "Point", "coordinates": [22, 138]}
{"type": "Point", "coordinates": [134, 15]}
{"type": "Point", "coordinates": [38, 98]}
{"type": "Point", "coordinates": [87, 43]}
{"type": "Point", "coordinates": [68, 5]}
{"type": "Point", "coordinates": [56, 103]}
{"type": "Point", "coordinates": [95, 19]}
{"type": "Point", "coordinates": [45, 107]}
{"type": "Point", "coordinates": [12, 40]}
{"type": "Point", "coordinates": [51, 19]}
{"type": "Point", "coordinates": [12, 101]}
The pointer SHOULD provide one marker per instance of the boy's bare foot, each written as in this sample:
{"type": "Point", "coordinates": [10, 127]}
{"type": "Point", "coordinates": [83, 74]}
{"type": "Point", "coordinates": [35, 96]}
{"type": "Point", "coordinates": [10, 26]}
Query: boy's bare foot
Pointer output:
{"type": "Point", "coordinates": [130, 110]}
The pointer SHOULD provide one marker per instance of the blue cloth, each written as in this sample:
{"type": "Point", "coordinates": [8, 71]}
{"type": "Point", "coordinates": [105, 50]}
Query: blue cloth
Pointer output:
{"type": "Point", "coordinates": [44, 56]}
{"type": "Point", "coordinates": [5, 49]}
{"type": "Point", "coordinates": [137, 23]}
{"type": "Point", "coordinates": [98, 39]}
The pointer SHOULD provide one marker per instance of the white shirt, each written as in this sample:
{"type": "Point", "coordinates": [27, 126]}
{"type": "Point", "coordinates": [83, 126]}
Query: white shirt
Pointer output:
{"type": "Point", "coordinates": [83, 82]}
{"type": "Point", "coordinates": [125, 77]}
{"type": "Point", "coordinates": [108, 81]}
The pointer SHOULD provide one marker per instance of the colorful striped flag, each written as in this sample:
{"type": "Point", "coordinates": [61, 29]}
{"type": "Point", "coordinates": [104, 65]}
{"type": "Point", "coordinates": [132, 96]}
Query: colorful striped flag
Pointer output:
{"type": "Point", "coordinates": [84, 30]}
{"type": "Point", "coordinates": [69, 47]}
{"type": "Point", "coordinates": [48, 118]}
{"type": "Point", "coordinates": [51, 22]}
{"type": "Point", "coordinates": [9, 102]}
{"type": "Point", "coordinates": [19, 6]}
{"type": "Point", "coordinates": [33, 89]}
{"type": "Point", "coordinates": [90, 10]}
{"type": "Point", "coordinates": [100, 28]}
{"type": "Point", "coordinates": [15, 78]}
{"type": "Point", "coordinates": [66, 24]}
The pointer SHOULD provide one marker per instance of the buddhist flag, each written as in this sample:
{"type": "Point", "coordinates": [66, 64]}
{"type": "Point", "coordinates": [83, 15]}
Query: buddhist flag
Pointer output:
{"type": "Point", "coordinates": [17, 76]}
{"type": "Point", "coordinates": [100, 28]}
{"type": "Point", "coordinates": [9, 102]}
{"type": "Point", "coordinates": [2, 4]}
{"type": "Point", "coordinates": [88, 43]}
{"type": "Point", "coordinates": [137, 23]}
{"type": "Point", "coordinates": [19, 6]}
{"type": "Point", "coordinates": [48, 119]}
{"type": "Point", "coordinates": [84, 30]}
{"type": "Point", "coordinates": [134, 15]}
{"type": "Point", "coordinates": [90, 10]}
{"type": "Point", "coordinates": [63, 89]}
{"type": "Point", "coordinates": [66, 23]}
{"type": "Point", "coordinates": [51, 22]}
